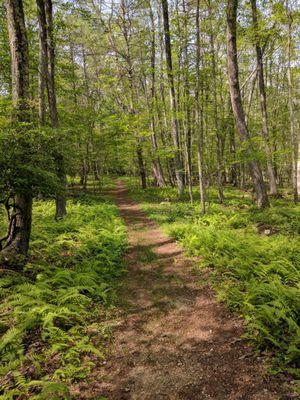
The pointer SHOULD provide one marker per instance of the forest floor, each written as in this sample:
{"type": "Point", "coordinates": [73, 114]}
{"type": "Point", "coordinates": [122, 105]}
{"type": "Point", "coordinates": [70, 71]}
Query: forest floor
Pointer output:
{"type": "Point", "coordinates": [174, 340]}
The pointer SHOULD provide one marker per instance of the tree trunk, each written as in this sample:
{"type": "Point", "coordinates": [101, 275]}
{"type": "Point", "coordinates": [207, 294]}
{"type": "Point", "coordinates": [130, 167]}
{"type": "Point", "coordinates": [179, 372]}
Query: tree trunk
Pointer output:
{"type": "Point", "coordinates": [157, 169]}
{"type": "Point", "coordinates": [233, 171]}
{"type": "Point", "coordinates": [18, 235]}
{"type": "Point", "coordinates": [188, 152]}
{"type": "Point", "coordinates": [142, 170]}
{"type": "Point", "coordinates": [43, 60]}
{"type": "Point", "coordinates": [237, 107]}
{"type": "Point", "coordinates": [83, 173]}
{"type": "Point", "coordinates": [61, 210]}
{"type": "Point", "coordinates": [198, 112]}
{"type": "Point", "coordinates": [250, 97]}
{"type": "Point", "coordinates": [96, 170]}
{"type": "Point", "coordinates": [294, 139]}
{"type": "Point", "coordinates": [187, 108]}
{"type": "Point", "coordinates": [263, 100]}
{"type": "Point", "coordinates": [173, 104]}
{"type": "Point", "coordinates": [215, 109]}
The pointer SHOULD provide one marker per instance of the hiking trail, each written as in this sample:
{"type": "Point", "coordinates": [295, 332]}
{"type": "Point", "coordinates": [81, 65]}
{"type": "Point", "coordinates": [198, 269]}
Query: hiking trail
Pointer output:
{"type": "Point", "coordinates": [174, 340]}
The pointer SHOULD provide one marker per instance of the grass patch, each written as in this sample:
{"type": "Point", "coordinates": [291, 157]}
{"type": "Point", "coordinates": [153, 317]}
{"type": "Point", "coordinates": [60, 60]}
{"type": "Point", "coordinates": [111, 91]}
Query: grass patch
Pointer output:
{"type": "Point", "coordinates": [254, 257]}
{"type": "Point", "coordinates": [53, 317]}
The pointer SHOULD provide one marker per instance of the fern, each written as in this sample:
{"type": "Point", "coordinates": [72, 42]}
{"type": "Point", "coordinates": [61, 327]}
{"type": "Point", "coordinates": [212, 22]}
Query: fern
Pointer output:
{"type": "Point", "coordinates": [255, 274]}
{"type": "Point", "coordinates": [48, 316]}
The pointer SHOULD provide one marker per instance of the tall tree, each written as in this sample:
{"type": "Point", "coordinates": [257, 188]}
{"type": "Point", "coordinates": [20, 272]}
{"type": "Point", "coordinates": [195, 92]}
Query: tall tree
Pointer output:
{"type": "Point", "coordinates": [263, 98]}
{"type": "Point", "coordinates": [237, 107]}
{"type": "Point", "coordinates": [157, 168]}
{"type": "Point", "coordinates": [198, 111]}
{"type": "Point", "coordinates": [18, 234]}
{"type": "Point", "coordinates": [186, 100]}
{"type": "Point", "coordinates": [295, 138]}
{"type": "Point", "coordinates": [43, 60]}
{"type": "Point", "coordinates": [173, 103]}
{"type": "Point", "coordinates": [61, 210]}
{"type": "Point", "coordinates": [215, 106]}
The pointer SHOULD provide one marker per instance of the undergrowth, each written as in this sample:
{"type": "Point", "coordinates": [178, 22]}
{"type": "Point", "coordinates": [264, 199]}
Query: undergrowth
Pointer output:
{"type": "Point", "coordinates": [254, 259]}
{"type": "Point", "coordinates": [53, 316]}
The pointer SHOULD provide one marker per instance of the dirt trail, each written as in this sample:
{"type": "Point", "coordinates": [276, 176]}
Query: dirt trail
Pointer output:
{"type": "Point", "coordinates": [174, 340]}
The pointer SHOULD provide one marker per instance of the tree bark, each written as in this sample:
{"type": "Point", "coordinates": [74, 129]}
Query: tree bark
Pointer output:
{"type": "Point", "coordinates": [198, 112]}
{"type": "Point", "coordinates": [142, 169]}
{"type": "Point", "coordinates": [263, 101]}
{"type": "Point", "coordinates": [43, 60]}
{"type": "Point", "coordinates": [61, 209]}
{"type": "Point", "coordinates": [237, 107]}
{"type": "Point", "coordinates": [250, 97]}
{"type": "Point", "coordinates": [18, 234]}
{"type": "Point", "coordinates": [187, 126]}
{"type": "Point", "coordinates": [233, 171]}
{"type": "Point", "coordinates": [157, 169]}
{"type": "Point", "coordinates": [215, 108]}
{"type": "Point", "coordinates": [173, 104]}
{"type": "Point", "coordinates": [295, 145]}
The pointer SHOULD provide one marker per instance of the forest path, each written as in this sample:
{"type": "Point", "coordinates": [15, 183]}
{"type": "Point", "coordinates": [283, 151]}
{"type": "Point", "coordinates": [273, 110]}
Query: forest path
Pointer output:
{"type": "Point", "coordinates": [174, 340]}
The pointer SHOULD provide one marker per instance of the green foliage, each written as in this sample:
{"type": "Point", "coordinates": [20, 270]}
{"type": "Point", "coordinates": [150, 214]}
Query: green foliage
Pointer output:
{"type": "Point", "coordinates": [26, 157]}
{"type": "Point", "coordinates": [53, 317]}
{"type": "Point", "coordinates": [254, 258]}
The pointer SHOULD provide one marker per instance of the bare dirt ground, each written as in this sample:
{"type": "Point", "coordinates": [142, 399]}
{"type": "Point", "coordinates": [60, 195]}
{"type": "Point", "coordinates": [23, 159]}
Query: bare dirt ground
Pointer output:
{"type": "Point", "coordinates": [174, 340]}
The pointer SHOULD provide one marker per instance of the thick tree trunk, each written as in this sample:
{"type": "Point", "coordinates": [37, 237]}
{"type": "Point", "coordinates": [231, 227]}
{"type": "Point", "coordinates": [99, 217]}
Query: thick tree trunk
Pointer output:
{"type": "Point", "coordinates": [16, 247]}
{"type": "Point", "coordinates": [18, 235]}
{"type": "Point", "coordinates": [61, 209]}
{"type": "Point", "coordinates": [173, 104]}
{"type": "Point", "coordinates": [19, 59]}
{"type": "Point", "coordinates": [237, 107]}
{"type": "Point", "coordinates": [263, 101]}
